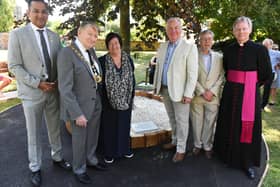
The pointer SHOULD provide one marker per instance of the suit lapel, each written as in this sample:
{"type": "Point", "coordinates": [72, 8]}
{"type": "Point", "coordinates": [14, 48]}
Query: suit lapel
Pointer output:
{"type": "Point", "coordinates": [50, 40]}
{"type": "Point", "coordinates": [80, 56]}
{"type": "Point", "coordinates": [34, 42]}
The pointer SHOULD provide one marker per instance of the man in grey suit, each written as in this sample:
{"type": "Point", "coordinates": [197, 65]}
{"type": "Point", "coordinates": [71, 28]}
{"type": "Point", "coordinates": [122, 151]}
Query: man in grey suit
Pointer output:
{"type": "Point", "coordinates": [79, 81]}
{"type": "Point", "coordinates": [175, 79]}
{"type": "Point", "coordinates": [32, 53]}
{"type": "Point", "coordinates": [204, 106]}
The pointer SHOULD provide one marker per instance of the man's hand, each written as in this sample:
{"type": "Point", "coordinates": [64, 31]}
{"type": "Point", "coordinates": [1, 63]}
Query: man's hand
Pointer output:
{"type": "Point", "coordinates": [47, 86]}
{"type": "Point", "coordinates": [81, 121]}
{"type": "Point", "coordinates": [186, 100]}
{"type": "Point", "coordinates": [208, 95]}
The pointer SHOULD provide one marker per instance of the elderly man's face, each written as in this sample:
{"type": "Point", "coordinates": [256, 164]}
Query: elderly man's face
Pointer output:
{"type": "Point", "coordinates": [173, 30]}
{"type": "Point", "coordinates": [88, 36]}
{"type": "Point", "coordinates": [206, 41]}
{"type": "Point", "coordinates": [242, 31]}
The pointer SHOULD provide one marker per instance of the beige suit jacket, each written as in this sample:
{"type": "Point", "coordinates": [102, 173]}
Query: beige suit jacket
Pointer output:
{"type": "Point", "coordinates": [212, 81]}
{"type": "Point", "coordinates": [182, 71]}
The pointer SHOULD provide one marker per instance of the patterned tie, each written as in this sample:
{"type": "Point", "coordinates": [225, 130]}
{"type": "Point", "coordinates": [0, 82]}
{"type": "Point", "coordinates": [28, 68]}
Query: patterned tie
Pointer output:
{"type": "Point", "coordinates": [45, 53]}
{"type": "Point", "coordinates": [94, 69]}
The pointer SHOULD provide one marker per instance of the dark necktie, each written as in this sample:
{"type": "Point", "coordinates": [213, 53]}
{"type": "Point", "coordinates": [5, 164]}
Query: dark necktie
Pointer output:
{"type": "Point", "coordinates": [45, 53]}
{"type": "Point", "coordinates": [94, 69]}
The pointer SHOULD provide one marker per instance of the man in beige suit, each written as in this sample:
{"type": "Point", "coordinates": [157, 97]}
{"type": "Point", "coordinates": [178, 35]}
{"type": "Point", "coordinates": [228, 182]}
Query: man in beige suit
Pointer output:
{"type": "Point", "coordinates": [175, 79]}
{"type": "Point", "coordinates": [204, 107]}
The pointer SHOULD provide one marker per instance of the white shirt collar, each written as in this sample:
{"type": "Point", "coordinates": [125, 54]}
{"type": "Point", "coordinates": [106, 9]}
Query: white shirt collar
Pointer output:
{"type": "Point", "coordinates": [35, 28]}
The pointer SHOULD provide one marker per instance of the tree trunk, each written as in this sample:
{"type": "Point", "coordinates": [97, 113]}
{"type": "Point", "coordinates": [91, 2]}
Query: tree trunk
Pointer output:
{"type": "Point", "coordinates": [125, 24]}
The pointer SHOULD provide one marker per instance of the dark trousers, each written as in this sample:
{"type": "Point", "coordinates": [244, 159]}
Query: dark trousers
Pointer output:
{"type": "Point", "coordinates": [266, 91]}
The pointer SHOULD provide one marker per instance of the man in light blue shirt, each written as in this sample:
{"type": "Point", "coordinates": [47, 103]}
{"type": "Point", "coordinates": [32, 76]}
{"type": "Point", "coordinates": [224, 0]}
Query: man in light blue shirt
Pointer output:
{"type": "Point", "coordinates": [274, 59]}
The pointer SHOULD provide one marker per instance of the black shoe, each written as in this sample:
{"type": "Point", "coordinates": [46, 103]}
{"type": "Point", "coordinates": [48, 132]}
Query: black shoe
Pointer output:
{"type": "Point", "coordinates": [250, 173]}
{"type": "Point", "coordinates": [99, 166]}
{"type": "Point", "coordinates": [63, 164]}
{"type": "Point", "coordinates": [36, 178]}
{"type": "Point", "coordinates": [83, 178]}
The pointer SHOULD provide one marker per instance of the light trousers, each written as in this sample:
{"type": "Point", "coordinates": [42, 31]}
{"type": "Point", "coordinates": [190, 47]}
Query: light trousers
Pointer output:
{"type": "Point", "coordinates": [203, 117]}
{"type": "Point", "coordinates": [34, 111]}
{"type": "Point", "coordinates": [178, 114]}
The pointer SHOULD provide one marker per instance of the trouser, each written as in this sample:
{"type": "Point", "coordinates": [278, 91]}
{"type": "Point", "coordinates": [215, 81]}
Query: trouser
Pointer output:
{"type": "Point", "coordinates": [34, 111]}
{"type": "Point", "coordinates": [203, 117]}
{"type": "Point", "coordinates": [178, 114]}
{"type": "Point", "coordinates": [85, 140]}
{"type": "Point", "coordinates": [266, 91]}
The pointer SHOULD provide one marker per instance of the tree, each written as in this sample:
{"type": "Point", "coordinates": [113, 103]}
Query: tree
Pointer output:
{"type": "Point", "coordinates": [150, 16]}
{"type": "Point", "coordinates": [94, 10]}
{"type": "Point", "coordinates": [7, 15]}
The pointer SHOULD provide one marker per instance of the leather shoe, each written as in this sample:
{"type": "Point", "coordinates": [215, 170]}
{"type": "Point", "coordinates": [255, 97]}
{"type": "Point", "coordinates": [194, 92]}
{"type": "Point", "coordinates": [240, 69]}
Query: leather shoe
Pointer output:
{"type": "Point", "coordinates": [99, 166]}
{"type": "Point", "coordinates": [63, 164]}
{"type": "Point", "coordinates": [36, 178]}
{"type": "Point", "coordinates": [196, 151]}
{"type": "Point", "coordinates": [169, 146]}
{"type": "Point", "coordinates": [178, 157]}
{"type": "Point", "coordinates": [83, 178]}
{"type": "Point", "coordinates": [250, 173]}
{"type": "Point", "coordinates": [208, 154]}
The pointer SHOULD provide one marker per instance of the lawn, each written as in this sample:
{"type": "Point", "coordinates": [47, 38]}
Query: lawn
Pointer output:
{"type": "Point", "coordinates": [271, 121]}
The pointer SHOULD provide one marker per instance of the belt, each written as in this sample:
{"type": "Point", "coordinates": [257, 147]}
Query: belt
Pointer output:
{"type": "Point", "coordinates": [164, 86]}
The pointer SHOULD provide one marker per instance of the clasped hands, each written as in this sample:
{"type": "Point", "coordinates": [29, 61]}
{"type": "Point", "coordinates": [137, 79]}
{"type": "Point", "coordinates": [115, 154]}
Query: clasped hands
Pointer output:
{"type": "Point", "coordinates": [47, 86]}
{"type": "Point", "coordinates": [208, 95]}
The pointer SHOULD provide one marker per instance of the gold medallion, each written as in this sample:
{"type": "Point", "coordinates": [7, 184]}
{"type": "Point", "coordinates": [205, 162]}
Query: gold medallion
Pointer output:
{"type": "Point", "coordinates": [97, 78]}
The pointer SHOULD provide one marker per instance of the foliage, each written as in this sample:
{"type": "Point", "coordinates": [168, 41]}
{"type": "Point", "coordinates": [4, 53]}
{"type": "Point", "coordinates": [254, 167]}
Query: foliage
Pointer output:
{"type": "Point", "coordinates": [7, 15]}
{"type": "Point", "coordinates": [264, 15]}
{"type": "Point", "coordinates": [150, 24]}
{"type": "Point", "coordinates": [78, 10]}
{"type": "Point", "coordinates": [216, 15]}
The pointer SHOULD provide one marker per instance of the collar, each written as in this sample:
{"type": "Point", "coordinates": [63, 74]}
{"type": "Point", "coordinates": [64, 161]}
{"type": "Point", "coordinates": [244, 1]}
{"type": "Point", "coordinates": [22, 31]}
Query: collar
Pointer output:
{"type": "Point", "coordinates": [35, 28]}
{"type": "Point", "coordinates": [174, 44]}
{"type": "Point", "coordinates": [80, 45]}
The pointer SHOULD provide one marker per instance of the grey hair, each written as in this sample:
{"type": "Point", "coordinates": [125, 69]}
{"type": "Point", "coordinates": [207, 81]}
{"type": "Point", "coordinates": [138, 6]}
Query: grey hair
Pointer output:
{"type": "Point", "coordinates": [88, 24]}
{"type": "Point", "coordinates": [268, 40]}
{"type": "Point", "coordinates": [207, 31]}
{"type": "Point", "coordinates": [243, 19]}
{"type": "Point", "coordinates": [177, 19]}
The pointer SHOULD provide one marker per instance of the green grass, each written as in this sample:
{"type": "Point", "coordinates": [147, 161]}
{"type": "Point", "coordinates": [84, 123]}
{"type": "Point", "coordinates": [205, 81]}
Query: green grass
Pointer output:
{"type": "Point", "coordinates": [4, 105]}
{"type": "Point", "coordinates": [271, 131]}
{"type": "Point", "coordinates": [10, 87]}
{"type": "Point", "coordinates": [271, 121]}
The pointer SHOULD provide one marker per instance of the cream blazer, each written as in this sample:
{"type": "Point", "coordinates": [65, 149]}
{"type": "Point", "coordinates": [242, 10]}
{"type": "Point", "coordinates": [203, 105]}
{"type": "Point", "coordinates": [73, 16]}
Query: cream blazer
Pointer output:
{"type": "Point", "coordinates": [182, 72]}
{"type": "Point", "coordinates": [212, 81]}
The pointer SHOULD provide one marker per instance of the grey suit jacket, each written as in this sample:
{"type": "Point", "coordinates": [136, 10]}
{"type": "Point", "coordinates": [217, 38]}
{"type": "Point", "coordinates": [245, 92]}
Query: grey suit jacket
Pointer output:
{"type": "Point", "coordinates": [210, 81]}
{"type": "Point", "coordinates": [76, 85]}
{"type": "Point", "coordinates": [26, 61]}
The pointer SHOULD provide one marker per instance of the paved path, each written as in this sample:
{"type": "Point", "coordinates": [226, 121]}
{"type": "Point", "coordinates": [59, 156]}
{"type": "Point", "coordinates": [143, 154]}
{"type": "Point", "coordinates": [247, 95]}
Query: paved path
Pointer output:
{"type": "Point", "coordinates": [150, 167]}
